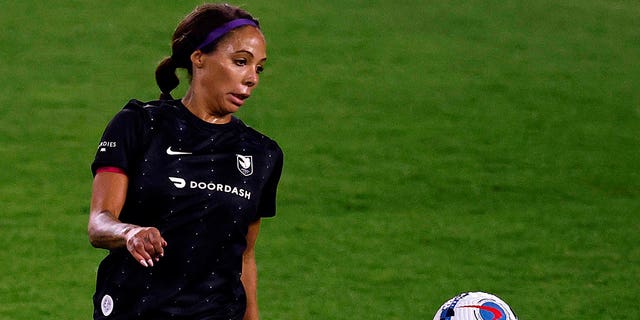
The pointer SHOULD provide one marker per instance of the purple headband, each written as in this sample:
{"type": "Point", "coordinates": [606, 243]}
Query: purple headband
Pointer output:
{"type": "Point", "coordinates": [223, 29]}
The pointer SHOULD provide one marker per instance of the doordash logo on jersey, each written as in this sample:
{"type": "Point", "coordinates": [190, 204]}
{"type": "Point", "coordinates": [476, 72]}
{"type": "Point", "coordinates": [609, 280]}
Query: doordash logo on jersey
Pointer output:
{"type": "Point", "coordinates": [211, 186]}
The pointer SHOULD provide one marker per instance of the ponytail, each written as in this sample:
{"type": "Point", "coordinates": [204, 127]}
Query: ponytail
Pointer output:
{"type": "Point", "coordinates": [166, 78]}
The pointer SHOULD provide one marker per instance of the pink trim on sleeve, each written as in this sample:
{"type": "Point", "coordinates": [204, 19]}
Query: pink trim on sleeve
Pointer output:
{"type": "Point", "coordinates": [110, 169]}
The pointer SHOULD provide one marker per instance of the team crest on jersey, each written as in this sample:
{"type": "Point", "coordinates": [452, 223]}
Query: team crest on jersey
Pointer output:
{"type": "Point", "coordinates": [245, 164]}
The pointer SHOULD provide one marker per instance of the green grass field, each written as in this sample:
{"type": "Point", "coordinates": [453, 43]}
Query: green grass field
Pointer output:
{"type": "Point", "coordinates": [432, 148]}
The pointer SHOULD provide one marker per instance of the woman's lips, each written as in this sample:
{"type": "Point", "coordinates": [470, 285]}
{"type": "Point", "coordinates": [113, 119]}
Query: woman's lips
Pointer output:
{"type": "Point", "coordinates": [238, 98]}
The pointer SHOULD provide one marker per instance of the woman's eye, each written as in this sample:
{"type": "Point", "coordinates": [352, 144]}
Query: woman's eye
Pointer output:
{"type": "Point", "coordinates": [259, 69]}
{"type": "Point", "coordinates": [240, 62]}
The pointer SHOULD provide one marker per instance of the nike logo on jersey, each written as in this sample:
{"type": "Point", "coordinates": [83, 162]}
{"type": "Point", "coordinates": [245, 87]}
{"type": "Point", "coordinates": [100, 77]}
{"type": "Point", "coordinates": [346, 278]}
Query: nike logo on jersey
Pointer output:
{"type": "Point", "coordinates": [176, 153]}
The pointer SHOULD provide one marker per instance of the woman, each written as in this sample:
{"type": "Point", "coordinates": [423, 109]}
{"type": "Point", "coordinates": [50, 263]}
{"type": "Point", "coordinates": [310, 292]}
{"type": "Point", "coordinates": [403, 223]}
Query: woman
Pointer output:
{"type": "Point", "coordinates": [180, 186]}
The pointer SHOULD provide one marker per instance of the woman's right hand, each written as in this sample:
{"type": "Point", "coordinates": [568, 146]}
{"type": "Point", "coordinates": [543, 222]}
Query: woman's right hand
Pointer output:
{"type": "Point", "coordinates": [145, 244]}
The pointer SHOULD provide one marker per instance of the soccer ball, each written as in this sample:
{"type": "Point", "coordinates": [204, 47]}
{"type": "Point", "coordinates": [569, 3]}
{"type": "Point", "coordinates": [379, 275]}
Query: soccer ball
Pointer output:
{"type": "Point", "coordinates": [475, 306]}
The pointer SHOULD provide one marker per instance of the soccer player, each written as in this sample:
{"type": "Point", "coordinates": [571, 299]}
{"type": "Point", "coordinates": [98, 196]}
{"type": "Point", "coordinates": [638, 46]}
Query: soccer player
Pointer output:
{"type": "Point", "coordinates": [180, 185]}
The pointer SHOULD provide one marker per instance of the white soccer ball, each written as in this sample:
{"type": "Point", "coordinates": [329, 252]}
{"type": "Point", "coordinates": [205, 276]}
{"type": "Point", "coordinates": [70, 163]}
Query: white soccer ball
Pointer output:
{"type": "Point", "coordinates": [475, 306]}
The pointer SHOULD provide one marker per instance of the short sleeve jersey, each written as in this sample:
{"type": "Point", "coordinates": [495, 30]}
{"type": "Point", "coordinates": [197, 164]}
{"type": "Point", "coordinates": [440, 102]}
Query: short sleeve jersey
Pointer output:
{"type": "Point", "coordinates": [201, 185]}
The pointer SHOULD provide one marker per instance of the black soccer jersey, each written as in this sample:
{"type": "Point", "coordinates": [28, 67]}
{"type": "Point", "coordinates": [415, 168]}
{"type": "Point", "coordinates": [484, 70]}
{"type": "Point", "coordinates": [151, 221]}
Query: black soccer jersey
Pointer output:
{"type": "Point", "coordinates": [201, 185]}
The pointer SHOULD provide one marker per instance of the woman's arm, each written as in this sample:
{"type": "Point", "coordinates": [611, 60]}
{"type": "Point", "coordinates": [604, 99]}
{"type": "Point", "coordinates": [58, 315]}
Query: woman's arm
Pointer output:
{"type": "Point", "coordinates": [108, 232]}
{"type": "Point", "coordinates": [250, 273]}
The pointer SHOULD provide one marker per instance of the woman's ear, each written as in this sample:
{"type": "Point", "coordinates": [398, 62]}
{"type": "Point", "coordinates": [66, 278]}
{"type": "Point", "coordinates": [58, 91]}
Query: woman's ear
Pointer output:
{"type": "Point", "coordinates": [197, 59]}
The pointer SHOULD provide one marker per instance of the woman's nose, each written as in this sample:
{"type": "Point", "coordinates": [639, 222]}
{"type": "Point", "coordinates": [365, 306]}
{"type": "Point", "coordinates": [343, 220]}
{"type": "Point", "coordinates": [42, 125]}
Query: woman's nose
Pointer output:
{"type": "Point", "coordinates": [251, 79]}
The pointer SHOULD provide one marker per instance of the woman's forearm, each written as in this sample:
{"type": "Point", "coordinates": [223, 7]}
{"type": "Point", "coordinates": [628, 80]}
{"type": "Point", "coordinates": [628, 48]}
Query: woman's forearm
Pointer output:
{"type": "Point", "coordinates": [107, 232]}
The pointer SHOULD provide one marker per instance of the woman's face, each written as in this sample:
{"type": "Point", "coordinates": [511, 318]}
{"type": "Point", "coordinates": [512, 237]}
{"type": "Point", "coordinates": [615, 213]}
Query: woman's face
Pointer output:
{"type": "Point", "coordinates": [226, 77]}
